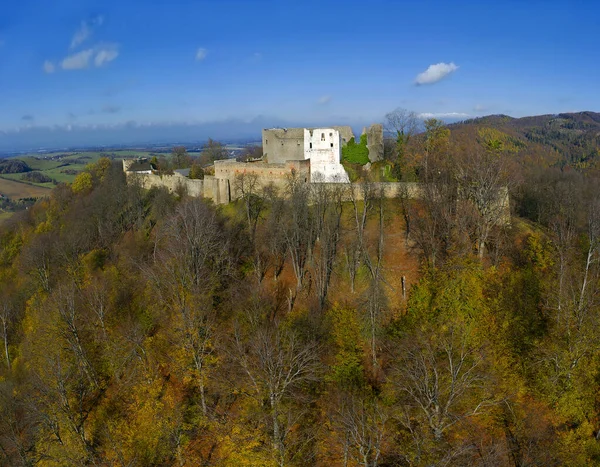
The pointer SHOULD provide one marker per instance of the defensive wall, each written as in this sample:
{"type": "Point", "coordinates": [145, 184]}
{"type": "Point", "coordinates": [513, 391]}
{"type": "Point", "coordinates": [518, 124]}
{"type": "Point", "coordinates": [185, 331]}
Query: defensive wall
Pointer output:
{"type": "Point", "coordinates": [210, 188]}
{"type": "Point", "coordinates": [374, 141]}
{"type": "Point", "coordinates": [266, 173]}
{"type": "Point", "coordinates": [283, 144]}
{"type": "Point", "coordinates": [221, 188]}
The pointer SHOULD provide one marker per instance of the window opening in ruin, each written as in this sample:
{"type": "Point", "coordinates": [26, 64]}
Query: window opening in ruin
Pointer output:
{"type": "Point", "coordinates": [331, 144]}
{"type": "Point", "coordinates": [330, 134]}
{"type": "Point", "coordinates": [310, 145]}
{"type": "Point", "coordinates": [322, 136]}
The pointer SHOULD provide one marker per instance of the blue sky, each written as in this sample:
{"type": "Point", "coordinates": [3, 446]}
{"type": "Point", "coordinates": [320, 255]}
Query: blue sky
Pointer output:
{"type": "Point", "coordinates": [112, 70]}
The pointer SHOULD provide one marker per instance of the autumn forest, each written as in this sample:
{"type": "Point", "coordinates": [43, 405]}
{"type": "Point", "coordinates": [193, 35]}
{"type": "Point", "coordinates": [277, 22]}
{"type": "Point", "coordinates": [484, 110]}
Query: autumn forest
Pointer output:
{"type": "Point", "coordinates": [320, 325]}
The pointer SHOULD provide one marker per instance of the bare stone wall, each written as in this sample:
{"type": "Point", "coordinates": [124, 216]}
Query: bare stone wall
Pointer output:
{"type": "Point", "coordinates": [127, 163]}
{"type": "Point", "coordinates": [388, 189]}
{"type": "Point", "coordinates": [210, 188]}
{"type": "Point", "coordinates": [267, 173]}
{"type": "Point", "coordinates": [283, 144]}
{"type": "Point", "coordinates": [288, 144]}
{"type": "Point", "coordinates": [220, 187]}
{"type": "Point", "coordinates": [374, 141]}
{"type": "Point", "coordinates": [346, 133]}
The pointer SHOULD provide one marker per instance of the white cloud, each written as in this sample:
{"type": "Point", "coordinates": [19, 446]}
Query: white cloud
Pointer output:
{"type": "Point", "coordinates": [426, 115]}
{"type": "Point", "coordinates": [480, 108]}
{"type": "Point", "coordinates": [324, 100]}
{"type": "Point", "coordinates": [201, 54]}
{"type": "Point", "coordinates": [81, 60]}
{"type": "Point", "coordinates": [85, 31]}
{"type": "Point", "coordinates": [435, 73]}
{"type": "Point", "coordinates": [106, 55]}
{"type": "Point", "coordinates": [81, 35]}
{"type": "Point", "coordinates": [77, 61]}
{"type": "Point", "coordinates": [48, 67]}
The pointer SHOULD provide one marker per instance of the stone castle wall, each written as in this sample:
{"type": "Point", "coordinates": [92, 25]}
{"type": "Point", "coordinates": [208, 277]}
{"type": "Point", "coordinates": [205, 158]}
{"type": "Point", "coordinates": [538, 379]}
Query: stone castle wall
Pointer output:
{"type": "Point", "coordinates": [210, 187]}
{"type": "Point", "coordinates": [374, 141]}
{"type": "Point", "coordinates": [283, 144]}
{"type": "Point", "coordinates": [221, 187]}
{"type": "Point", "coordinates": [288, 144]}
{"type": "Point", "coordinates": [267, 173]}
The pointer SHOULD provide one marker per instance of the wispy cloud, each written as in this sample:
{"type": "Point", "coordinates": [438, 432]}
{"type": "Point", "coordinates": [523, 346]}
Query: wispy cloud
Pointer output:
{"type": "Point", "coordinates": [48, 67]}
{"type": "Point", "coordinates": [201, 54]}
{"type": "Point", "coordinates": [106, 54]}
{"type": "Point", "coordinates": [435, 73]}
{"type": "Point", "coordinates": [77, 61]}
{"type": "Point", "coordinates": [85, 31]}
{"type": "Point", "coordinates": [82, 60]}
{"type": "Point", "coordinates": [480, 108]}
{"type": "Point", "coordinates": [453, 115]}
{"type": "Point", "coordinates": [27, 118]}
{"type": "Point", "coordinates": [324, 100]}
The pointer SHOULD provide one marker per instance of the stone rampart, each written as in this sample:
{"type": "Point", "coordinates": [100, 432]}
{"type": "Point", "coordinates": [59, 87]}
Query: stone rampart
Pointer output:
{"type": "Point", "coordinates": [374, 141]}
{"type": "Point", "coordinates": [221, 187]}
{"type": "Point", "coordinates": [267, 174]}
{"type": "Point", "coordinates": [210, 187]}
{"type": "Point", "coordinates": [283, 144]}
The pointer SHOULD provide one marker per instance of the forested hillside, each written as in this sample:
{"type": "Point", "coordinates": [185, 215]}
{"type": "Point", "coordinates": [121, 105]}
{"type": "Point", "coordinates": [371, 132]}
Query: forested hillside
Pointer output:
{"type": "Point", "coordinates": [319, 326]}
{"type": "Point", "coordinates": [568, 139]}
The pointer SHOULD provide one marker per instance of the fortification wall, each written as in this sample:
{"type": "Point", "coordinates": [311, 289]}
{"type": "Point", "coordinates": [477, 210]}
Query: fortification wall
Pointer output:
{"type": "Point", "coordinates": [288, 144]}
{"type": "Point", "coordinates": [346, 133]}
{"type": "Point", "coordinates": [388, 189]}
{"type": "Point", "coordinates": [283, 144]}
{"type": "Point", "coordinates": [374, 141]}
{"type": "Point", "coordinates": [210, 188]}
{"type": "Point", "coordinates": [267, 173]}
{"type": "Point", "coordinates": [221, 187]}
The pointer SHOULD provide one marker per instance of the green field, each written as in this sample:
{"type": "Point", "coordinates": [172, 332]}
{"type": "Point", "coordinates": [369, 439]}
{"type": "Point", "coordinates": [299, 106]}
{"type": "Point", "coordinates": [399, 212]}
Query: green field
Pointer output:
{"type": "Point", "coordinates": [55, 163]}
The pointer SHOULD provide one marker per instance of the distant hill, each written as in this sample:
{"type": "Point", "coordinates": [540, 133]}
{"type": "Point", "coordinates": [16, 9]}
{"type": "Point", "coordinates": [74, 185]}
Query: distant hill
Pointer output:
{"type": "Point", "coordinates": [13, 166]}
{"type": "Point", "coordinates": [563, 139]}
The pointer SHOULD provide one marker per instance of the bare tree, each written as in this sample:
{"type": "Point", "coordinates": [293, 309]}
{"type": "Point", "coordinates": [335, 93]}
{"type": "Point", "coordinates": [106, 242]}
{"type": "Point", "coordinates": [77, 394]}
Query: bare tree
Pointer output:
{"type": "Point", "coordinates": [6, 318]}
{"type": "Point", "coordinates": [192, 263]}
{"type": "Point", "coordinates": [213, 151]}
{"type": "Point", "coordinates": [299, 229]}
{"type": "Point", "coordinates": [361, 425]}
{"type": "Point", "coordinates": [402, 122]}
{"type": "Point", "coordinates": [367, 201]}
{"type": "Point", "coordinates": [276, 362]}
{"type": "Point", "coordinates": [483, 179]}
{"type": "Point", "coordinates": [276, 237]}
{"type": "Point", "coordinates": [248, 188]}
{"type": "Point", "coordinates": [441, 380]}
{"type": "Point", "coordinates": [328, 206]}
{"type": "Point", "coordinates": [180, 157]}
{"type": "Point", "coordinates": [39, 257]}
